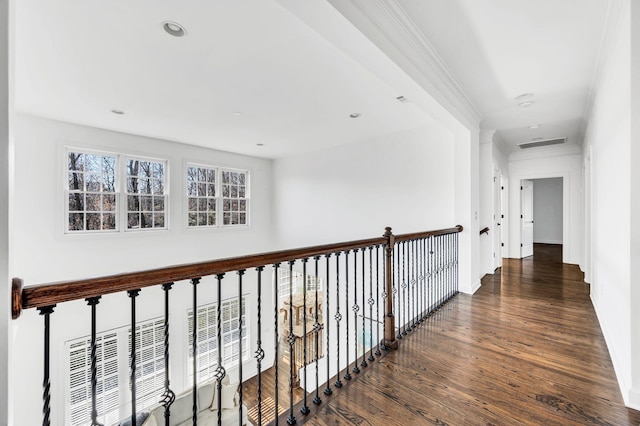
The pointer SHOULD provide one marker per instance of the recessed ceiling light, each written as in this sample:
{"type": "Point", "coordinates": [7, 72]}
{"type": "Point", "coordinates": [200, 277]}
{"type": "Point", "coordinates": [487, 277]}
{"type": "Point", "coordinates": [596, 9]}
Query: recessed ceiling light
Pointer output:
{"type": "Point", "coordinates": [237, 113]}
{"type": "Point", "coordinates": [174, 29]}
{"type": "Point", "coordinates": [534, 126]}
{"type": "Point", "coordinates": [525, 104]}
{"type": "Point", "coordinates": [354, 115]}
{"type": "Point", "coordinates": [260, 144]}
{"type": "Point", "coordinates": [524, 97]}
{"type": "Point", "coordinates": [117, 111]}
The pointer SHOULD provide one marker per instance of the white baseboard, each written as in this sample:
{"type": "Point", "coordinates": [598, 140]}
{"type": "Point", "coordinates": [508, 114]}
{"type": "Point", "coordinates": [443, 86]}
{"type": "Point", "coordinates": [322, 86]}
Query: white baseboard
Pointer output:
{"type": "Point", "coordinates": [626, 390]}
{"type": "Point", "coordinates": [475, 287]}
{"type": "Point", "coordinates": [634, 399]}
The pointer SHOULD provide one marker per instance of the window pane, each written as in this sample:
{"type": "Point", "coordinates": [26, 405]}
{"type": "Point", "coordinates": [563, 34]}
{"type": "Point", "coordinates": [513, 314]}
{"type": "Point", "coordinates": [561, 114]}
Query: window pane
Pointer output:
{"type": "Point", "coordinates": [193, 204]}
{"type": "Point", "coordinates": [158, 204]}
{"type": "Point", "coordinates": [193, 219]}
{"type": "Point", "coordinates": [76, 181]}
{"type": "Point", "coordinates": [202, 204]}
{"type": "Point", "coordinates": [133, 203]}
{"type": "Point", "coordinates": [202, 190]}
{"type": "Point", "coordinates": [76, 202]}
{"type": "Point", "coordinates": [243, 219]}
{"type": "Point", "coordinates": [158, 220]}
{"type": "Point", "coordinates": [202, 219]}
{"type": "Point", "coordinates": [75, 161]}
{"type": "Point", "coordinates": [93, 163]}
{"type": "Point", "coordinates": [212, 204]}
{"type": "Point", "coordinates": [146, 203]}
{"type": "Point", "coordinates": [108, 203]}
{"type": "Point", "coordinates": [93, 221]}
{"type": "Point", "coordinates": [93, 202]}
{"type": "Point", "coordinates": [92, 184]}
{"type": "Point", "coordinates": [76, 221]}
{"type": "Point", "coordinates": [212, 219]}
{"type": "Point", "coordinates": [133, 220]}
{"type": "Point", "coordinates": [108, 221]}
{"type": "Point", "coordinates": [146, 220]}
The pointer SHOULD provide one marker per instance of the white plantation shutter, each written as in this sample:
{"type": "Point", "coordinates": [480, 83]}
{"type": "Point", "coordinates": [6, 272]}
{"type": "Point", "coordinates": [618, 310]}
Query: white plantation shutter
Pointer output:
{"type": "Point", "coordinates": [113, 349]}
{"type": "Point", "coordinates": [149, 362]}
{"type": "Point", "coordinates": [208, 340]}
{"type": "Point", "coordinates": [78, 407]}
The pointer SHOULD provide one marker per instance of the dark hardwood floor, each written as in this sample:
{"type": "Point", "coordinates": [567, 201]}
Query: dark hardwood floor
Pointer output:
{"type": "Point", "coordinates": [525, 349]}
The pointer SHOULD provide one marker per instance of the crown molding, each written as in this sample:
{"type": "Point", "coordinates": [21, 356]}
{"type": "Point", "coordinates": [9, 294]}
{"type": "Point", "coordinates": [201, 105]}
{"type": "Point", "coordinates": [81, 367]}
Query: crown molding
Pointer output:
{"type": "Point", "coordinates": [396, 34]}
{"type": "Point", "coordinates": [615, 11]}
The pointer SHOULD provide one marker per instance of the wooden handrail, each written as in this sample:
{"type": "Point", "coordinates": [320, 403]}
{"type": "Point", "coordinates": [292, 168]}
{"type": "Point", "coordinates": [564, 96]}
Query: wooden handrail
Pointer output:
{"type": "Point", "coordinates": [36, 296]}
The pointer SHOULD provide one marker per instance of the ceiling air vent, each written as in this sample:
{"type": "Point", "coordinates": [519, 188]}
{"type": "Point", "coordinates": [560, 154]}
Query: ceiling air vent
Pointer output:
{"type": "Point", "coordinates": [535, 144]}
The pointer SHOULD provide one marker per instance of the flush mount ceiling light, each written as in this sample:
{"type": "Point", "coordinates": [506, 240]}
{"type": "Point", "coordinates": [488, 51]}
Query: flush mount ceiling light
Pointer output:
{"type": "Point", "coordinates": [174, 29]}
{"type": "Point", "coordinates": [354, 115]}
{"type": "Point", "coordinates": [525, 104]}
{"type": "Point", "coordinates": [524, 97]}
{"type": "Point", "coordinates": [260, 144]}
{"type": "Point", "coordinates": [534, 126]}
{"type": "Point", "coordinates": [117, 111]}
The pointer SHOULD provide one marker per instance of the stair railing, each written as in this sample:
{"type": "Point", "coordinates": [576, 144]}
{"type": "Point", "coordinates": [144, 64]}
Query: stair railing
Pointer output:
{"type": "Point", "coordinates": [392, 282]}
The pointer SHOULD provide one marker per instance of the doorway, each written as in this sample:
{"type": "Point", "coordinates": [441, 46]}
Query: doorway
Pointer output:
{"type": "Point", "coordinates": [542, 213]}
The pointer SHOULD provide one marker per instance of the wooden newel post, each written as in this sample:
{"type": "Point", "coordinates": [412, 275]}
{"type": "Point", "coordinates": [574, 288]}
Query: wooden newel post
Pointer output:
{"type": "Point", "coordinates": [389, 320]}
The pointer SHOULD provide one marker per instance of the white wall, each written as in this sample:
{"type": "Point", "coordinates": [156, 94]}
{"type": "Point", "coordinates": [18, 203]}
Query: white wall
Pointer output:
{"type": "Point", "coordinates": [634, 231]}
{"type": "Point", "coordinates": [486, 208]}
{"type": "Point", "coordinates": [5, 205]}
{"type": "Point", "coordinates": [609, 141]}
{"type": "Point", "coordinates": [565, 162]}
{"type": "Point", "coordinates": [547, 211]}
{"type": "Point", "coordinates": [405, 181]}
{"type": "Point", "coordinates": [43, 253]}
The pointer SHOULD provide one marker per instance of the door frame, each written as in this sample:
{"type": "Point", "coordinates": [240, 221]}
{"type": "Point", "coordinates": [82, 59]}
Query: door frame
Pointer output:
{"type": "Point", "coordinates": [515, 224]}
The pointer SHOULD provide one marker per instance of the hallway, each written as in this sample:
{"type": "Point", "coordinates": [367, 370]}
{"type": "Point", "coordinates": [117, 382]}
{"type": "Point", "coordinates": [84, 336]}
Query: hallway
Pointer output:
{"type": "Point", "coordinates": [525, 349]}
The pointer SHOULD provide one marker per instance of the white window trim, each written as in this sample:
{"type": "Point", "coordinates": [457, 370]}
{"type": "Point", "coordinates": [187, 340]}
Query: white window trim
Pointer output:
{"type": "Point", "coordinates": [219, 197]}
{"type": "Point", "coordinates": [124, 209]}
{"type": "Point", "coordinates": [67, 191]}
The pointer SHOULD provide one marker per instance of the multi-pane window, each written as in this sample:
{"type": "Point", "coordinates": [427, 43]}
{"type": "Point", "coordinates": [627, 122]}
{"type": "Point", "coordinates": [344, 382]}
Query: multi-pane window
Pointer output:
{"type": "Point", "coordinates": [91, 191]}
{"type": "Point", "coordinates": [208, 337]}
{"type": "Point", "coordinates": [201, 193]}
{"type": "Point", "coordinates": [146, 195]}
{"type": "Point", "coordinates": [113, 357]}
{"type": "Point", "coordinates": [234, 197]}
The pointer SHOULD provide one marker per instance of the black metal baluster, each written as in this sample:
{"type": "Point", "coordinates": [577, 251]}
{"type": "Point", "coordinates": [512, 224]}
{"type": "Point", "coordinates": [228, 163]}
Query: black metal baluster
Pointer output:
{"type": "Point", "coordinates": [371, 303]}
{"type": "Point", "coordinates": [291, 338]}
{"type": "Point", "coordinates": [240, 323]}
{"type": "Point", "coordinates": [378, 352]}
{"type": "Point", "coordinates": [220, 371]}
{"type": "Point", "coordinates": [338, 318]}
{"type": "Point", "coordinates": [412, 254]}
{"type": "Point", "coordinates": [276, 315]}
{"type": "Point", "coordinates": [398, 291]}
{"type": "Point", "coordinates": [441, 270]}
{"type": "Point", "coordinates": [327, 390]}
{"type": "Point", "coordinates": [194, 348]}
{"type": "Point", "coordinates": [363, 363]}
{"type": "Point", "coordinates": [356, 309]}
{"type": "Point", "coordinates": [430, 273]}
{"type": "Point", "coordinates": [420, 275]}
{"type": "Point", "coordinates": [93, 301]}
{"type": "Point", "coordinates": [133, 294]}
{"type": "Point", "coordinates": [259, 351]}
{"type": "Point", "coordinates": [347, 375]}
{"type": "Point", "coordinates": [168, 397]}
{"type": "Point", "coordinates": [405, 285]}
{"type": "Point", "coordinates": [46, 311]}
{"type": "Point", "coordinates": [449, 268]}
{"type": "Point", "coordinates": [316, 330]}
{"type": "Point", "coordinates": [457, 262]}
{"type": "Point", "coordinates": [305, 408]}
{"type": "Point", "coordinates": [423, 278]}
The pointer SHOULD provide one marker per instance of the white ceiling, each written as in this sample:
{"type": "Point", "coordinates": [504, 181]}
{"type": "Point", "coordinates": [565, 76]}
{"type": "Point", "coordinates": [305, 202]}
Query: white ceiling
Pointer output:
{"type": "Point", "coordinates": [500, 49]}
{"type": "Point", "coordinates": [76, 60]}
{"type": "Point", "coordinates": [296, 71]}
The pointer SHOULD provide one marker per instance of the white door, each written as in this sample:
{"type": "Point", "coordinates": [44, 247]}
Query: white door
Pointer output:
{"type": "Point", "coordinates": [527, 218]}
{"type": "Point", "coordinates": [504, 229]}
{"type": "Point", "coordinates": [497, 220]}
